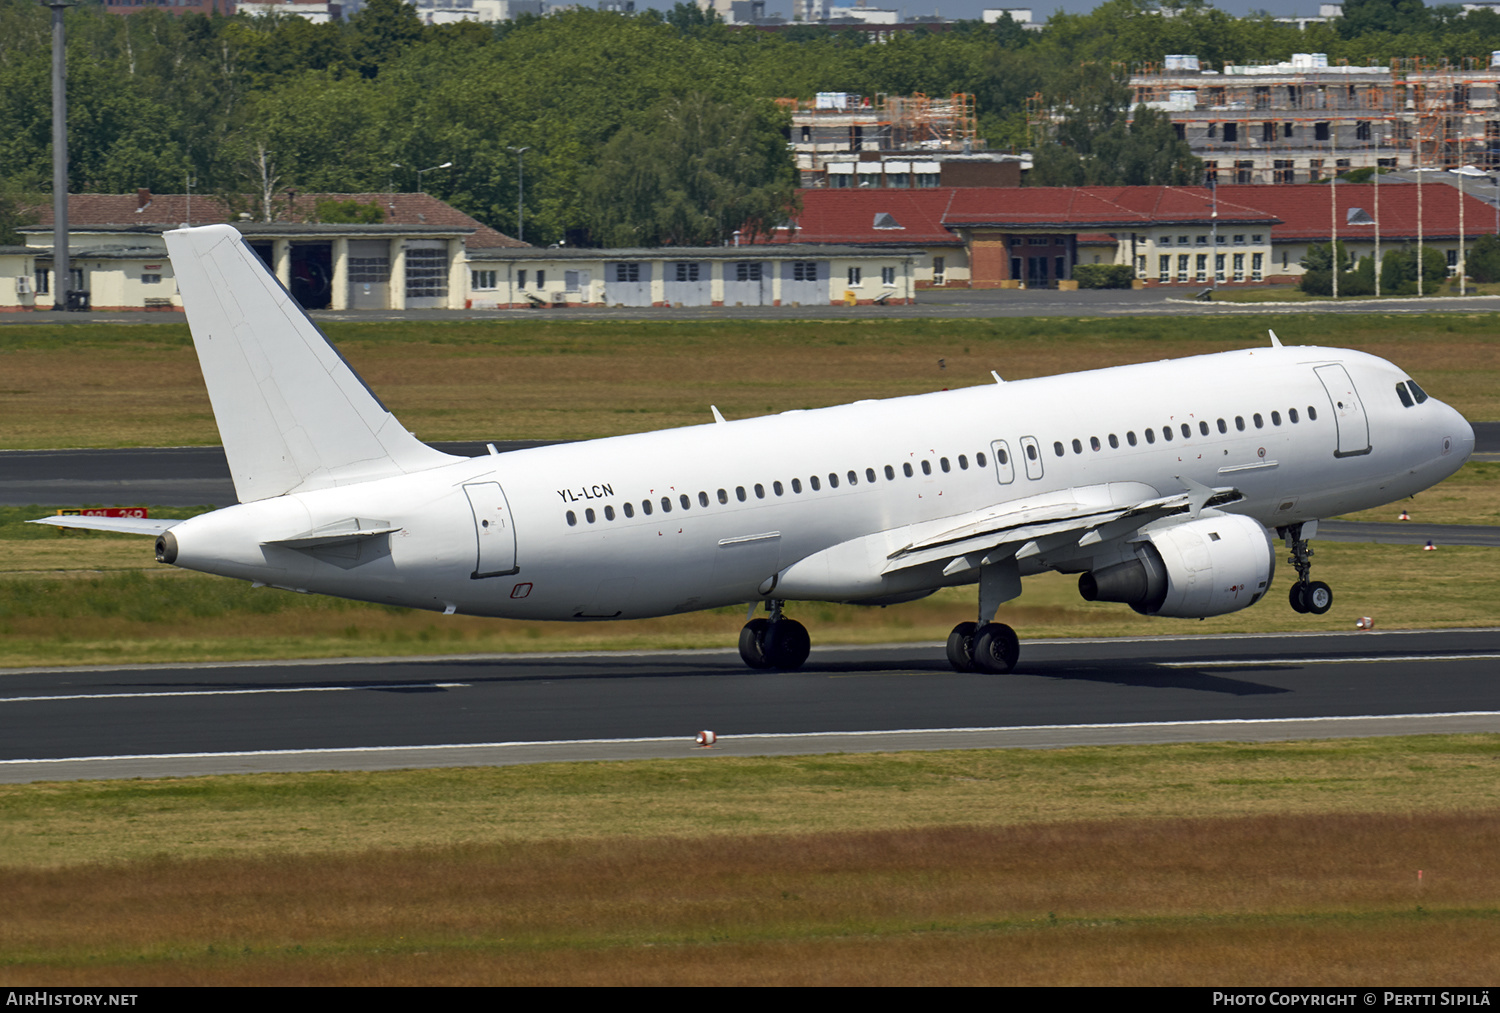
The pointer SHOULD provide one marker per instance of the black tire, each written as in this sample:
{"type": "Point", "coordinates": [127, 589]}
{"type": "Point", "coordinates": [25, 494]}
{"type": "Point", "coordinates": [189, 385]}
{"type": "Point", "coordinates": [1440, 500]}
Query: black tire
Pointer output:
{"type": "Point", "coordinates": [961, 647]}
{"type": "Point", "coordinates": [786, 645]}
{"type": "Point", "coordinates": [1319, 597]}
{"type": "Point", "coordinates": [753, 643]}
{"type": "Point", "coordinates": [996, 648]}
{"type": "Point", "coordinates": [1297, 598]}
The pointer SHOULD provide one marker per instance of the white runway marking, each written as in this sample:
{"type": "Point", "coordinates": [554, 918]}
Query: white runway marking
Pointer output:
{"type": "Point", "coordinates": [235, 692]}
{"type": "Point", "coordinates": [727, 738]}
{"type": "Point", "coordinates": [1327, 660]}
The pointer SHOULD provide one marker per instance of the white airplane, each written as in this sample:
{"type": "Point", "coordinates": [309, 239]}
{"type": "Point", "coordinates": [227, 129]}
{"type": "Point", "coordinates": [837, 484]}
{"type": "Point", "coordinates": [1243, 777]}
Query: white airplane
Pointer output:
{"type": "Point", "coordinates": [1158, 483]}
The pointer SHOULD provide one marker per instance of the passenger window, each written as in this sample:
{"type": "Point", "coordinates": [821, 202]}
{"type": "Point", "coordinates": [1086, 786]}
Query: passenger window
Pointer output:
{"type": "Point", "coordinates": [813, 483]}
{"type": "Point", "coordinates": [1187, 430]}
{"type": "Point", "coordinates": [609, 513]}
{"type": "Point", "coordinates": [572, 519]}
{"type": "Point", "coordinates": [1312, 414]}
{"type": "Point", "coordinates": [890, 473]}
{"type": "Point", "coordinates": [1275, 418]}
{"type": "Point", "coordinates": [1203, 428]}
{"type": "Point", "coordinates": [1291, 413]}
{"type": "Point", "coordinates": [1150, 436]}
{"type": "Point", "coordinates": [927, 467]}
{"type": "Point", "coordinates": [646, 507]}
{"type": "Point", "coordinates": [1114, 442]}
{"type": "Point", "coordinates": [588, 515]}
{"type": "Point", "coordinates": [739, 493]}
{"type": "Point", "coordinates": [853, 477]}
{"type": "Point", "coordinates": [797, 485]}
{"type": "Point", "coordinates": [943, 463]}
{"type": "Point", "coordinates": [1077, 447]}
{"type": "Point", "coordinates": [629, 509]}
{"type": "Point", "coordinates": [666, 504]}
{"type": "Point", "coordinates": [869, 474]}
{"type": "Point", "coordinates": [963, 463]}
{"type": "Point", "coordinates": [760, 491]}
{"type": "Point", "coordinates": [1031, 451]}
{"type": "Point", "coordinates": [1130, 437]}
{"type": "Point", "coordinates": [1260, 423]}
{"type": "Point", "coordinates": [686, 503]}
{"type": "Point", "coordinates": [776, 488]}
{"type": "Point", "coordinates": [1002, 457]}
{"type": "Point", "coordinates": [1094, 443]}
{"type": "Point", "coordinates": [1166, 433]}
{"type": "Point", "coordinates": [1223, 427]}
{"type": "Point", "coordinates": [1057, 447]}
{"type": "Point", "coordinates": [907, 469]}
{"type": "Point", "coordinates": [1239, 423]}
{"type": "Point", "coordinates": [833, 480]}
{"type": "Point", "coordinates": [979, 459]}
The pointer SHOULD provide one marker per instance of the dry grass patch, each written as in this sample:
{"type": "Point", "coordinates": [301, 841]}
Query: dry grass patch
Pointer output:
{"type": "Point", "coordinates": [1314, 899]}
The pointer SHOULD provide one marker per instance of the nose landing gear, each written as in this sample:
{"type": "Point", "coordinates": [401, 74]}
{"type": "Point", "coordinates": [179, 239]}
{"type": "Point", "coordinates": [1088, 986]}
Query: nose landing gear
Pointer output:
{"type": "Point", "coordinates": [1306, 595]}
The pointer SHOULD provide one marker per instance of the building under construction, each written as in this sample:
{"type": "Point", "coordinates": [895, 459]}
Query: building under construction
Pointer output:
{"type": "Point", "coordinates": [843, 139]}
{"type": "Point", "coordinates": [1304, 120]}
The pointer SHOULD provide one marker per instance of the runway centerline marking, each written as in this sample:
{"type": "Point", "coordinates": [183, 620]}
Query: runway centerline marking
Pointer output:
{"type": "Point", "coordinates": [236, 692]}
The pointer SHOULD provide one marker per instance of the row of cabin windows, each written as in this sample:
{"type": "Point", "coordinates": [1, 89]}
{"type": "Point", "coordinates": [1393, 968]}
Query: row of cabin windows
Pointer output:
{"type": "Point", "coordinates": [814, 482]}
{"type": "Point", "coordinates": [1186, 429]}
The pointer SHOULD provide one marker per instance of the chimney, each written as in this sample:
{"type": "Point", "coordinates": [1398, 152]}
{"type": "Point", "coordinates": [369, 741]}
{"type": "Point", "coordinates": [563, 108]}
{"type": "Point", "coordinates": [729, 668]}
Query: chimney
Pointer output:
{"type": "Point", "coordinates": [142, 198]}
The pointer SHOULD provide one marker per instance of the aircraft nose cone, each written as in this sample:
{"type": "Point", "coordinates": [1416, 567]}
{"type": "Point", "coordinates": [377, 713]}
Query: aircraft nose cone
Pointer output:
{"type": "Point", "coordinates": [1462, 438]}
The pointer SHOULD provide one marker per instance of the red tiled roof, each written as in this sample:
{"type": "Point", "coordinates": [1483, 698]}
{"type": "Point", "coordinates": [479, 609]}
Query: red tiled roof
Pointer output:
{"type": "Point", "coordinates": [1305, 213]}
{"type": "Point", "coordinates": [171, 210]}
{"type": "Point", "coordinates": [1094, 208]}
{"type": "Point", "coordinates": [847, 217]}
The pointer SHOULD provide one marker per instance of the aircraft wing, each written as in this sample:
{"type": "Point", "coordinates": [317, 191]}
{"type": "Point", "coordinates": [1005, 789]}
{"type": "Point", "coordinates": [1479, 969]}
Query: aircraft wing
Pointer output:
{"type": "Point", "coordinates": [986, 536]}
{"type": "Point", "coordinates": [123, 525]}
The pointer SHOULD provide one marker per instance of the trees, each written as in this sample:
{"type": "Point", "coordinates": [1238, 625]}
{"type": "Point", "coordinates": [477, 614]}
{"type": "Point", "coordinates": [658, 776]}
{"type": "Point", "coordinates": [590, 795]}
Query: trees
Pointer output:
{"type": "Point", "coordinates": [692, 173]}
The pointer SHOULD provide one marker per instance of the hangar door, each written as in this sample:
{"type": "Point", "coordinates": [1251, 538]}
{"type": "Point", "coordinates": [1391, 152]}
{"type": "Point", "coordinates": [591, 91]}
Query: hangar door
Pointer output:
{"type": "Point", "coordinates": [804, 282]}
{"type": "Point", "coordinates": [627, 283]}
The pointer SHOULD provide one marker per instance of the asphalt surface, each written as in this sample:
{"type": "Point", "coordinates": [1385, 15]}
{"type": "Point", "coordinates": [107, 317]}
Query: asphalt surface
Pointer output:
{"type": "Point", "coordinates": [199, 476]}
{"type": "Point", "coordinates": [150, 721]}
{"type": "Point", "coordinates": [950, 303]}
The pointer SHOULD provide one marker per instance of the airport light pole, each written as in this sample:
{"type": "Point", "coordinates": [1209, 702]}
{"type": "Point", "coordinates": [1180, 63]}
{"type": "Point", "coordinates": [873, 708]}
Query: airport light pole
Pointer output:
{"type": "Point", "coordinates": [520, 190]}
{"type": "Point", "coordinates": [62, 272]}
{"type": "Point", "coordinates": [430, 168]}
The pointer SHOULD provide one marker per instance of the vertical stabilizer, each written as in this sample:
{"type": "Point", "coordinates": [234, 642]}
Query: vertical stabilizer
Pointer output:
{"type": "Point", "coordinates": [292, 414]}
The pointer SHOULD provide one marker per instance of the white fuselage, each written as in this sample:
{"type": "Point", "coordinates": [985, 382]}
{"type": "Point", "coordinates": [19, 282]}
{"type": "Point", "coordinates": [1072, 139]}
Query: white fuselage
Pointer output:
{"type": "Point", "coordinates": [564, 532]}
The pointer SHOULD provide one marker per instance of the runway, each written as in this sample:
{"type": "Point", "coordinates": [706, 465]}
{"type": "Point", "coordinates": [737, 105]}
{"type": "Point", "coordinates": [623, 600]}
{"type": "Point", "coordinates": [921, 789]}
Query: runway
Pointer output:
{"type": "Point", "coordinates": [150, 721]}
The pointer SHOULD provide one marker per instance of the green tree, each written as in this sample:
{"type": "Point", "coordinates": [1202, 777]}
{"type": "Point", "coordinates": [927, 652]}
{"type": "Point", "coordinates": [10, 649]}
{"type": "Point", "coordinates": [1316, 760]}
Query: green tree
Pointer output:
{"type": "Point", "coordinates": [1482, 260]}
{"type": "Point", "coordinates": [694, 172]}
{"type": "Point", "coordinates": [385, 29]}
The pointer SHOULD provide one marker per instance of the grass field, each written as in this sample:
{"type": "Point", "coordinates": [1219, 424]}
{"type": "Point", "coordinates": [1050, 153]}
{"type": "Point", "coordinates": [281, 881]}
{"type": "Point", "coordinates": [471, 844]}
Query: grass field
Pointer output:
{"type": "Point", "coordinates": [1302, 863]}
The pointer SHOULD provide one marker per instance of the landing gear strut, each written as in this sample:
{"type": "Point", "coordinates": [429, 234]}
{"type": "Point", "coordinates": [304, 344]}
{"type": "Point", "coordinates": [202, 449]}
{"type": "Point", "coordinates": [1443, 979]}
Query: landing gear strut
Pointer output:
{"type": "Point", "coordinates": [776, 642]}
{"type": "Point", "coordinates": [1306, 595]}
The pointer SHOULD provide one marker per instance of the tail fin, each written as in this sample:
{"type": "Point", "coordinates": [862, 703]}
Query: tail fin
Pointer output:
{"type": "Point", "coordinates": [292, 414]}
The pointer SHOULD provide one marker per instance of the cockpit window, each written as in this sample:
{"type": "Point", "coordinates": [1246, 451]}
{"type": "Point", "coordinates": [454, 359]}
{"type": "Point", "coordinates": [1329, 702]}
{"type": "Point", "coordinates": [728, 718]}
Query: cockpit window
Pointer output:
{"type": "Point", "coordinates": [1417, 392]}
{"type": "Point", "coordinates": [1402, 393]}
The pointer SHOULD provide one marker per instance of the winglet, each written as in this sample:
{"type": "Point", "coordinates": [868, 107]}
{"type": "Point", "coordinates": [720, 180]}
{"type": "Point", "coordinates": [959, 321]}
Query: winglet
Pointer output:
{"type": "Point", "coordinates": [1275, 341]}
{"type": "Point", "coordinates": [292, 414]}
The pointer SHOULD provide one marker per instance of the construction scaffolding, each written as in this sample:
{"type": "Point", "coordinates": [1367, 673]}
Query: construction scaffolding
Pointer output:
{"type": "Point", "coordinates": [838, 124]}
{"type": "Point", "coordinates": [1303, 120]}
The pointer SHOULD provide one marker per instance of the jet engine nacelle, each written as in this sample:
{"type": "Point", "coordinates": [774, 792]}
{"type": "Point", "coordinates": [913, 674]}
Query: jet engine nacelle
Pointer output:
{"type": "Point", "coordinates": [1205, 567]}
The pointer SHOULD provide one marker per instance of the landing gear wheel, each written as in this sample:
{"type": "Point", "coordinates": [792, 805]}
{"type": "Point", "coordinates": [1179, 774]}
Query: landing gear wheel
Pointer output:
{"type": "Point", "coordinates": [1298, 597]}
{"type": "Point", "coordinates": [753, 643]}
{"type": "Point", "coordinates": [961, 647]}
{"type": "Point", "coordinates": [996, 648]}
{"type": "Point", "coordinates": [786, 645]}
{"type": "Point", "coordinates": [1318, 597]}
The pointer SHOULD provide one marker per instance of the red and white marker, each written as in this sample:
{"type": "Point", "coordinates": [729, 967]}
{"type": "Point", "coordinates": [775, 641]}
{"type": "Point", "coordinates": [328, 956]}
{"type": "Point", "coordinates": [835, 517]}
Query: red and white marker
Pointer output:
{"type": "Point", "coordinates": [1404, 516]}
{"type": "Point", "coordinates": [1429, 547]}
{"type": "Point", "coordinates": [1365, 623]}
{"type": "Point", "coordinates": [706, 739]}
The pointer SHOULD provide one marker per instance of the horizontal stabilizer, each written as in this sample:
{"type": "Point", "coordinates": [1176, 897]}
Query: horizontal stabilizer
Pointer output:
{"type": "Point", "coordinates": [292, 414]}
{"type": "Point", "coordinates": [124, 525]}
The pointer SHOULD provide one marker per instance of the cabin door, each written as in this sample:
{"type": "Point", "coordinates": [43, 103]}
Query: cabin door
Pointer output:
{"type": "Point", "coordinates": [1348, 413]}
{"type": "Point", "coordinates": [493, 531]}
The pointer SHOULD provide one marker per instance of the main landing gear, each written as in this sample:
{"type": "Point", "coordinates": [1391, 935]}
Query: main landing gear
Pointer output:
{"type": "Point", "coordinates": [990, 647]}
{"type": "Point", "coordinates": [1306, 595]}
{"type": "Point", "coordinates": [776, 642]}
